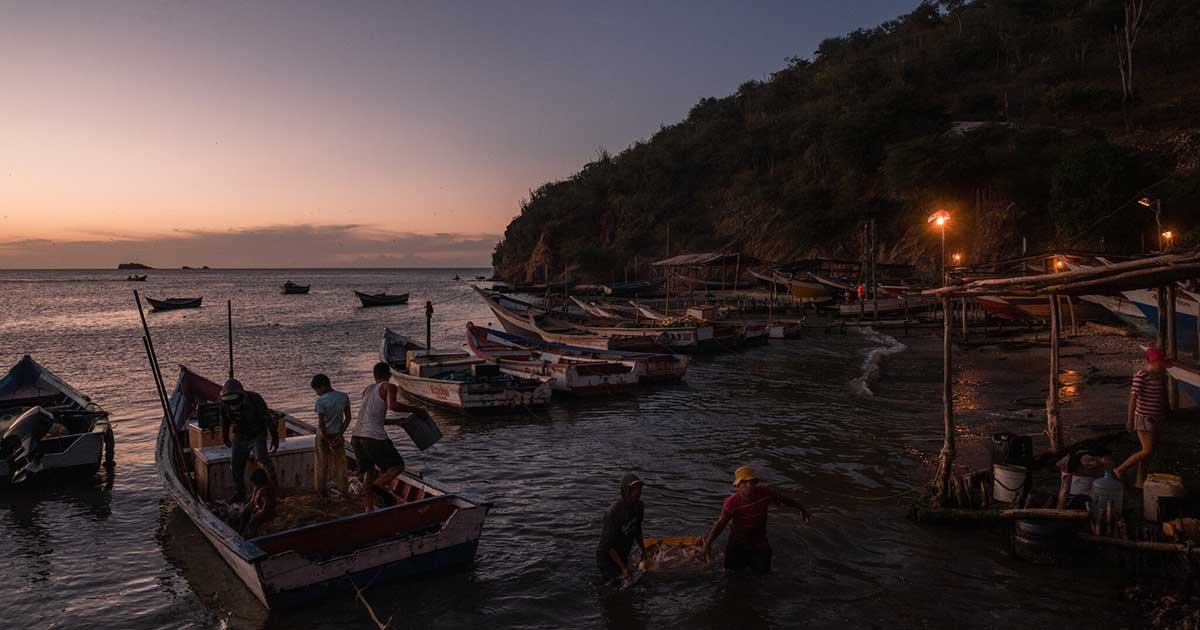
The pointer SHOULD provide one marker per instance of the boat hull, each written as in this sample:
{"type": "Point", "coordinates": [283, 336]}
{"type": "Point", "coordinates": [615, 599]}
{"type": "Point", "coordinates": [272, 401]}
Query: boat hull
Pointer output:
{"type": "Point", "coordinates": [174, 304]}
{"type": "Point", "coordinates": [369, 300]}
{"type": "Point", "coordinates": [468, 397]}
{"type": "Point", "coordinates": [1185, 316]}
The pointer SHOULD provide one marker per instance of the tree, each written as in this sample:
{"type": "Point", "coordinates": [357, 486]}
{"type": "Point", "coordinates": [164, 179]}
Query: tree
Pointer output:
{"type": "Point", "coordinates": [1135, 18]}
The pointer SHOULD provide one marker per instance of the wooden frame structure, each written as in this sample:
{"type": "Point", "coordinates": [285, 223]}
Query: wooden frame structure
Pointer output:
{"type": "Point", "coordinates": [1160, 272]}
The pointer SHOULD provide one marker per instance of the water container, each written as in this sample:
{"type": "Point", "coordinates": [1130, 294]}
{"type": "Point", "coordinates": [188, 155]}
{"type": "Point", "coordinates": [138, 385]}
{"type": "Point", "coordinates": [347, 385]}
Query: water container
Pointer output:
{"type": "Point", "coordinates": [1159, 485]}
{"type": "Point", "coordinates": [1008, 482]}
{"type": "Point", "coordinates": [422, 430]}
{"type": "Point", "coordinates": [1104, 489]}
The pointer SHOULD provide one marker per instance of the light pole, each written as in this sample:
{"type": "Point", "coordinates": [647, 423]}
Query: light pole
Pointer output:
{"type": "Point", "coordinates": [1156, 206]}
{"type": "Point", "coordinates": [1167, 236]}
{"type": "Point", "coordinates": [940, 218]}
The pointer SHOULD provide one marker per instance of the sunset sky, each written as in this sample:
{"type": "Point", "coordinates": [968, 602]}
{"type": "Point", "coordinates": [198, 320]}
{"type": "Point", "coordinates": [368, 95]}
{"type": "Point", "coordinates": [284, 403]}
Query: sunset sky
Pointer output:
{"type": "Point", "coordinates": [265, 134]}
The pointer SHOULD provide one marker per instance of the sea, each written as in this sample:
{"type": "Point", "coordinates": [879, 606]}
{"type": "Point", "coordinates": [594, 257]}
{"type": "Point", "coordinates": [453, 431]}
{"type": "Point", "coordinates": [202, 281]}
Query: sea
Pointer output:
{"type": "Point", "coordinates": [848, 423]}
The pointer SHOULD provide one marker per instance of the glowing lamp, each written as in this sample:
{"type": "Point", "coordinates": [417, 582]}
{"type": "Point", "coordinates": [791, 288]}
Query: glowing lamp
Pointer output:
{"type": "Point", "coordinates": [939, 218]}
{"type": "Point", "coordinates": [957, 258]}
{"type": "Point", "coordinates": [1145, 201]}
{"type": "Point", "coordinates": [1168, 234]}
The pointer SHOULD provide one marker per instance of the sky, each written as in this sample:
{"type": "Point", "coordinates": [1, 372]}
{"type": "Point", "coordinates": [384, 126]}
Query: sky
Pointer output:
{"type": "Point", "coordinates": [343, 134]}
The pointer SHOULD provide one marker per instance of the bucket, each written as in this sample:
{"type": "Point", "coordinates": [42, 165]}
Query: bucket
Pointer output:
{"type": "Point", "coordinates": [421, 429]}
{"type": "Point", "coordinates": [1008, 482]}
{"type": "Point", "coordinates": [1159, 485]}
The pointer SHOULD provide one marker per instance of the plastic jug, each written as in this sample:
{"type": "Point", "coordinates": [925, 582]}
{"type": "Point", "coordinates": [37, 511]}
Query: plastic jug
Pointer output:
{"type": "Point", "coordinates": [1104, 489]}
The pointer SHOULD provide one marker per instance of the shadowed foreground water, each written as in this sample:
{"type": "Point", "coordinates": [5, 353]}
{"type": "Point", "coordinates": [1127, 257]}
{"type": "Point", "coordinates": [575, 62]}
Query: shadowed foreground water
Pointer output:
{"type": "Point", "coordinates": [118, 554]}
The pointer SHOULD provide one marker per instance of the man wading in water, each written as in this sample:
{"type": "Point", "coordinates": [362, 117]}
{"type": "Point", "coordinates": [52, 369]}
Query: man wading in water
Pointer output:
{"type": "Point", "coordinates": [746, 512]}
{"type": "Point", "coordinates": [247, 413]}
{"type": "Point", "coordinates": [622, 528]}
{"type": "Point", "coordinates": [373, 449]}
{"type": "Point", "coordinates": [1147, 413]}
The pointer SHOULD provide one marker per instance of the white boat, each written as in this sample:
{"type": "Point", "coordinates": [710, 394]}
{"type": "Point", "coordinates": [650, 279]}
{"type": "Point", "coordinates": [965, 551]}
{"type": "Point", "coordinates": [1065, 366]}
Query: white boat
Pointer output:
{"type": "Point", "coordinates": [571, 375]}
{"type": "Point", "coordinates": [429, 528]}
{"type": "Point", "coordinates": [32, 400]}
{"type": "Point", "coordinates": [455, 379]}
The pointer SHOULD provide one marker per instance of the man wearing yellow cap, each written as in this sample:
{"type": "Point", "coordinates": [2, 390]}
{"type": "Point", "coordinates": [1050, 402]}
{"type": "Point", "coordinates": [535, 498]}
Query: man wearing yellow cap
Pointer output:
{"type": "Point", "coordinates": [746, 513]}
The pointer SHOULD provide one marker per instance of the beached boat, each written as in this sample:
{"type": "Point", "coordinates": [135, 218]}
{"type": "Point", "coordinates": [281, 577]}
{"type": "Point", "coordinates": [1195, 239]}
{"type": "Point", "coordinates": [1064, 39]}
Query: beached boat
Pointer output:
{"type": "Point", "coordinates": [632, 288]}
{"type": "Point", "coordinates": [1187, 309]}
{"type": "Point", "coordinates": [430, 528]}
{"type": "Point", "coordinates": [1187, 375]}
{"type": "Point", "coordinates": [527, 320]}
{"type": "Point", "coordinates": [650, 367]}
{"type": "Point", "coordinates": [885, 306]}
{"type": "Point", "coordinates": [455, 379]}
{"type": "Point", "coordinates": [173, 304]}
{"type": "Point", "coordinates": [135, 278]}
{"type": "Point", "coordinates": [32, 401]}
{"type": "Point", "coordinates": [1123, 309]}
{"type": "Point", "coordinates": [796, 287]}
{"type": "Point", "coordinates": [291, 288]}
{"type": "Point", "coordinates": [567, 374]}
{"type": "Point", "coordinates": [381, 299]}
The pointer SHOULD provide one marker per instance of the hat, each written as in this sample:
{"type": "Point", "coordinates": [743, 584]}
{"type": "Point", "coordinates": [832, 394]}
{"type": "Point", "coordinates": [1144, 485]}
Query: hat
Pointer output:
{"type": "Point", "coordinates": [232, 389]}
{"type": "Point", "coordinates": [745, 473]}
{"type": "Point", "coordinates": [1156, 355]}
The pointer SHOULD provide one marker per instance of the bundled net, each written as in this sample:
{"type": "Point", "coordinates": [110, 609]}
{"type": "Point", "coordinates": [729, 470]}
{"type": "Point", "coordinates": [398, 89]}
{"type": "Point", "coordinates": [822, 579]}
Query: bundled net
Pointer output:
{"type": "Point", "coordinates": [675, 555]}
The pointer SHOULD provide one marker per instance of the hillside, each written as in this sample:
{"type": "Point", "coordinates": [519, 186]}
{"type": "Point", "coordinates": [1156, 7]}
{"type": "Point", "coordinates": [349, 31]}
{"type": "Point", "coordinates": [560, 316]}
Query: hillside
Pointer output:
{"type": "Point", "coordinates": [1012, 114]}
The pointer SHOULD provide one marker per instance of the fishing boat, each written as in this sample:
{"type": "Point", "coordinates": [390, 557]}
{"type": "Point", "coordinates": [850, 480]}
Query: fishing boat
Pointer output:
{"type": "Point", "coordinates": [32, 401]}
{"type": "Point", "coordinates": [174, 304]}
{"type": "Point", "coordinates": [1187, 309]}
{"type": "Point", "coordinates": [650, 367]}
{"type": "Point", "coordinates": [796, 287]}
{"type": "Point", "coordinates": [291, 288]}
{"type": "Point", "coordinates": [885, 305]}
{"type": "Point", "coordinates": [565, 373]}
{"type": "Point", "coordinates": [381, 299]}
{"type": "Point", "coordinates": [527, 320]}
{"type": "Point", "coordinates": [455, 379]}
{"type": "Point", "coordinates": [135, 278]}
{"type": "Point", "coordinates": [429, 527]}
{"type": "Point", "coordinates": [1187, 375]}
{"type": "Point", "coordinates": [635, 287]}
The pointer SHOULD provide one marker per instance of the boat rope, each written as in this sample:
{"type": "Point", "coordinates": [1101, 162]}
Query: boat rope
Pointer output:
{"type": "Point", "coordinates": [358, 594]}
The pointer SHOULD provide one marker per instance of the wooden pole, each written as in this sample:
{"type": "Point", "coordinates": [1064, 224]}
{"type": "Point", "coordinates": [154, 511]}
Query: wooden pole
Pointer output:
{"type": "Point", "coordinates": [229, 320]}
{"type": "Point", "coordinates": [1053, 428]}
{"type": "Point", "coordinates": [1172, 347]}
{"type": "Point", "coordinates": [737, 271]}
{"type": "Point", "coordinates": [1074, 323]}
{"type": "Point", "coordinates": [429, 327]}
{"type": "Point", "coordinates": [964, 319]}
{"type": "Point", "coordinates": [1160, 295]}
{"type": "Point", "coordinates": [946, 457]}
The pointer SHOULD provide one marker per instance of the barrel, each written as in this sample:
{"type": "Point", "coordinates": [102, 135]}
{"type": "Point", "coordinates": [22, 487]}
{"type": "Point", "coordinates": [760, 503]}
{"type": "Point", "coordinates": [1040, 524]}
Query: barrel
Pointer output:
{"type": "Point", "coordinates": [1041, 542]}
{"type": "Point", "coordinates": [1159, 485]}
{"type": "Point", "coordinates": [1008, 482]}
{"type": "Point", "coordinates": [422, 430]}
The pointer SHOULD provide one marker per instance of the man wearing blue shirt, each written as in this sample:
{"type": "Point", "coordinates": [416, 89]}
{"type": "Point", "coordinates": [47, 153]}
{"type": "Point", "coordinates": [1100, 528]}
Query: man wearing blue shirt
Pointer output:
{"type": "Point", "coordinates": [333, 417]}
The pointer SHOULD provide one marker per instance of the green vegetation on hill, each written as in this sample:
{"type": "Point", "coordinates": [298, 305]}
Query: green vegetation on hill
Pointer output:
{"type": "Point", "coordinates": [1012, 114]}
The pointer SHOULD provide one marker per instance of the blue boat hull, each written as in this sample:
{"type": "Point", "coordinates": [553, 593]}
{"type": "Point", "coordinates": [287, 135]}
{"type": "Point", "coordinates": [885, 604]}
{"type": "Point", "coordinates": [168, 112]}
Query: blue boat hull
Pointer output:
{"type": "Point", "coordinates": [1185, 326]}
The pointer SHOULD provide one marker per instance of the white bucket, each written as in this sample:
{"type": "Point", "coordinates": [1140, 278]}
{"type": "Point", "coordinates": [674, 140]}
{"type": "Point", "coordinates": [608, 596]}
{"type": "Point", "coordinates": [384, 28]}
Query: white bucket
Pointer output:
{"type": "Point", "coordinates": [1159, 485]}
{"type": "Point", "coordinates": [1008, 481]}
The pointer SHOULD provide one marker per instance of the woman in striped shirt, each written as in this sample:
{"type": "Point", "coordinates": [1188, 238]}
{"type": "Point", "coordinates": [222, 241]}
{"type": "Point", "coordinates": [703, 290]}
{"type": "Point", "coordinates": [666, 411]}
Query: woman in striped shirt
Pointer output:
{"type": "Point", "coordinates": [1147, 414]}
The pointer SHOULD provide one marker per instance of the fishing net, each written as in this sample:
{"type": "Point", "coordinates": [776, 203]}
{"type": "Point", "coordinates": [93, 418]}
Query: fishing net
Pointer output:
{"type": "Point", "coordinates": [300, 508]}
{"type": "Point", "coordinates": [675, 555]}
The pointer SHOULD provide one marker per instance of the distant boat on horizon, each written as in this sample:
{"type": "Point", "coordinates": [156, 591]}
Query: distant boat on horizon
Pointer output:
{"type": "Point", "coordinates": [174, 304]}
{"type": "Point", "coordinates": [291, 288]}
{"type": "Point", "coordinates": [381, 299]}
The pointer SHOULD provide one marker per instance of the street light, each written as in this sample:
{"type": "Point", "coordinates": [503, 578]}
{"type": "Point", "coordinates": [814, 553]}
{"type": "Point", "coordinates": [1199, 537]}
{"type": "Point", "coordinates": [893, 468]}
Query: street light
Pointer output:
{"type": "Point", "coordinates": [1167, 236]}
{"type": "Point", "coordinates": [940, 219]}
{"type": "Point", "coordinates": [957, 258]}
{"type": "Point", "coordinates": [1156, 206]}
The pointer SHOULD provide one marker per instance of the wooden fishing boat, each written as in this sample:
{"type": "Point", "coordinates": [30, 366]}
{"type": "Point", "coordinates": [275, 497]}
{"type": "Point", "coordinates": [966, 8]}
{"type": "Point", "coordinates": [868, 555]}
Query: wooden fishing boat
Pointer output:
{"type": "Point", "coordinates": [32, 400]}
{"type": "Point", "coordinates": [135, 278]}
{"type": "Point", "coordinates": [526, 320]}
{"type": "Point", "coordinates": [173, 304]}
{"type": "Point", "coordinates": [1187, 375]}
{"type": "Point", "coordinates": [1187, 309]}
{"type": "Point", "coordinates": [454, 379]}
{"type": "Point", "coordinates": [632, 288]}
{"type": "Point", "coordinates": [650, 367]}
{"type": "Point", "coordinates": [885, 306]}
{"type": "Point", "coordinates": [291, 288]}
{"type": "Point", "coordinates": [796, 287]}
{"type": "Point", "coordinates": [381, 299]}
{"type": "Point", "coordinates": [430, 528]}
{"type": "Point", "coordinates": [567, 374]}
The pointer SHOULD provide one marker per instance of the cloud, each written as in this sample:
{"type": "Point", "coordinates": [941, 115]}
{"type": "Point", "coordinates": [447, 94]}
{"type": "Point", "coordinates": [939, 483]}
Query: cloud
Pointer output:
{"type": "Point", "coordinates": [309, 245]}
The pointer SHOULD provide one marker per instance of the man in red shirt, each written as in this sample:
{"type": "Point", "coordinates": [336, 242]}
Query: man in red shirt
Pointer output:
{"type": "Point", "coordinates": [746, 513]}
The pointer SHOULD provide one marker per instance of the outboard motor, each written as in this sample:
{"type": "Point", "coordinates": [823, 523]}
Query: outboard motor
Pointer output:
{"type": "Point", "coordinates": [21, 442]}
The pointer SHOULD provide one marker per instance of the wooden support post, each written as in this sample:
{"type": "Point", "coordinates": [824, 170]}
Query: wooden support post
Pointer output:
{"type": "Point", "coordinates": [737, 271]}
{"type": "Point", "coordinates": [941, 482]}
{"type": "Point", "coordinates": [1160, 295]}
{"type": "Point", "coordinates": [1172, 347]}
{"type": "Point", "coordinates": [1053, 428]}
{"type": "Point", "coordinates": [964, 318]}
{"type": "Point", "coordinates": [1071, 309]}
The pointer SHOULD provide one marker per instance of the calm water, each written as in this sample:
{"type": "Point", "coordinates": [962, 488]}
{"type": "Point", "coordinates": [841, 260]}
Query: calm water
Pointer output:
{"type": "Point", "coordinates": [118, 554]}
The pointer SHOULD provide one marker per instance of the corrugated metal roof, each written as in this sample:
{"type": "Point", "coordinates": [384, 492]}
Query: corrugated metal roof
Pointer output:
{"type": "Point", "coordinates": [696, 260]}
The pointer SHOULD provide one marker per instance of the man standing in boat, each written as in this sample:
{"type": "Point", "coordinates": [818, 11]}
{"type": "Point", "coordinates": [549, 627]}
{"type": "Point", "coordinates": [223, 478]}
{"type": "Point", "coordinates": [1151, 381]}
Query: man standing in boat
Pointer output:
{"type": "Point", "coordinates": [333, 418]}
{"type": "Point", "coordinates": [378, 461]}
{"type": "Point", "coordinates": [247, 413]}
{"type": "Point", "coordinates": [746, 513]}
{"type": "Point", "coordinates": [622, 529]}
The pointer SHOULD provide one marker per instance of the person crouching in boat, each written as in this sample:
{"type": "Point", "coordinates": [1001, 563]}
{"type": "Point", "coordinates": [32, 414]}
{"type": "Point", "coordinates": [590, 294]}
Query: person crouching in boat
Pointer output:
{"type": "Point", "coordinates": [333, 418]}
{"type": "Point", "coordinates": [247, 413]}
{"type": "Point", "coordinates": [261, 506]}
{"type": "Point", "coordinates": [1147, 413]}
{"type": "Point", "coordinates": [378, 461]}
{"type": "Point", "coordinates": [622, 529]}
{"type": "Point", "coordinates": [745, 511]}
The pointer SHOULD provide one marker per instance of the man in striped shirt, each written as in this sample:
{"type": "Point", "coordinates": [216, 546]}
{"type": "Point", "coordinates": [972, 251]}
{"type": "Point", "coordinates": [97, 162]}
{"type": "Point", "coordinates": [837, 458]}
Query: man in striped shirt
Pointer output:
{"type": "Point", "coordinates": [1147, 414]}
